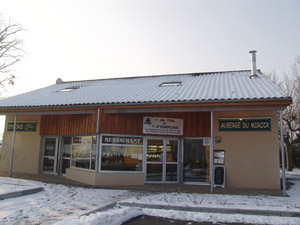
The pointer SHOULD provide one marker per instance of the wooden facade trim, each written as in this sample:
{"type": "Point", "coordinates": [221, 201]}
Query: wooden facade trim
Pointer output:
{"type": "Point", "coordinates": [196, 124]}
{"type": "Point", "coordinates": [68, 124]}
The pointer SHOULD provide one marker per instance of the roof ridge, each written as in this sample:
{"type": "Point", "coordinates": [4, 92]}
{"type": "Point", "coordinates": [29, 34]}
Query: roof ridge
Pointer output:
{"type": "Point", "coordinates": [161, 75]}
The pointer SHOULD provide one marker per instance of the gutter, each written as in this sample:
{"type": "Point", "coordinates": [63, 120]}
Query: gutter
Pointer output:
{"type": "Point", "coordinates": [288, 100]}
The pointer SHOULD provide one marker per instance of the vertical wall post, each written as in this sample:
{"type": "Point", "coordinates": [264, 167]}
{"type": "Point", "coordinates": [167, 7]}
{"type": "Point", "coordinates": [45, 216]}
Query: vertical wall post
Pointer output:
{"type": "Point", "coordinates": [282, 155]}
{"type": "Point", "coordinates": [59, 155]}
{"type": "Point", "coordinates": [13, 146]}
{"type": "Point", "coordinates": [180, 164]}
{"type": "Point", "coordinates": [98, 141]}
{"type": "Point", "coordinates": [211, 155]}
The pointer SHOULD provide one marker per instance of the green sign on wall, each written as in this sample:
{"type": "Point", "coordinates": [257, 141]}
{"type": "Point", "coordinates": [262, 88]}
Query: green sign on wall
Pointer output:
{"type": "Point", "coordinates": [253, 124]}
{"type": "Point", "coordinates": [22, 126]}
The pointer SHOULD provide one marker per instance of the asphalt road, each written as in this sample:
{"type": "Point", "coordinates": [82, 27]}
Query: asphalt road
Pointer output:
{"type": "Point", "coordinates": [150, 220]}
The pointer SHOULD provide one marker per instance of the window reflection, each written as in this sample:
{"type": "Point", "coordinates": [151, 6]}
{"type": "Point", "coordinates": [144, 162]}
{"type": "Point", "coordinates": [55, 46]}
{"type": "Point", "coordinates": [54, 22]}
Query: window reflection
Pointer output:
{"type": "Point", "coordinates": [79, 152]}
{"type": "Point", "coordinates": [122, 157]}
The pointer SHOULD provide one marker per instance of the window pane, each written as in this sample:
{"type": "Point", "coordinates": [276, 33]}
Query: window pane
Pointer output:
{"type": "Point", "coordinates": [121, 158]}
{"type": "Point", "coordinates": [65, 165]}
{"type": "Point", "coordinates": [81, 156]}
{"type": "Point", "coordinates": [172, 151]}
{"type": "Point", "coordinates": [154, 172]}
{"type": "Point", "coordinates": [82, 140]}
{"type": "Point", "coordinates": [196, 161]}
{"type": "Point", "coordinates": [94, 140]}
{"type": "Point", "coordinates": [93, 154]}
{"type": "Point", "coordinates": [67, 140]}
{"type": "Point", "coordinates": [171, 174]}
{"type": "Point", "coordinates": [50, 145]}
{"type": "Point", "coordinates": [155, 151]}
{"type": "Point", "coordinates": [79, 151]}
{"type": "Point", "coordinates": [66, 150]}
{"type": "Point", "coordinates": [48, 165]}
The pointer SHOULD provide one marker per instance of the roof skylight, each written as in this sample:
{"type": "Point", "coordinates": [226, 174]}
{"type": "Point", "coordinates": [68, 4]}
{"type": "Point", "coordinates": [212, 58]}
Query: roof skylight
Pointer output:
{"type": "Point", "coordinates": [68, 89]}
{"type": "Point", "coordinates": [169, 84]}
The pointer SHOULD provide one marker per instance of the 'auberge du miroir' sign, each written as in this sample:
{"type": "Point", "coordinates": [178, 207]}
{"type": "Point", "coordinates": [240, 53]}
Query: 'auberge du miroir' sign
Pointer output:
{"type": "Point", "coordinates": [241, 124]}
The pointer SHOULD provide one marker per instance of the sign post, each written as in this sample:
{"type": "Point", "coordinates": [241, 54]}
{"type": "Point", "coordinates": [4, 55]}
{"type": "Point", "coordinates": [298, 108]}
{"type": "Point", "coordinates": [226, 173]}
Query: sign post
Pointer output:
{"type": "Point", "coordinates": [13, 146]}
{"type": "Point", "coordinates": [282, 155]}
{"type": "Point", "coordinates": [211, 152]}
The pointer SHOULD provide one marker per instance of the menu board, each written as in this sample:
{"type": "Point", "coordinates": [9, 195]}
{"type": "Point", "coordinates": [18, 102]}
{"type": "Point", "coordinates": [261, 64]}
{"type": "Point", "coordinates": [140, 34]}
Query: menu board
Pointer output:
{"type": "Point", "coordinates": [219, 157]}
{"type": "Point", "coordinates": [219, 178]}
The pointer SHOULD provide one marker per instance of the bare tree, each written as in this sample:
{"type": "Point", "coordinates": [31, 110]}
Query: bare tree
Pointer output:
{"type": "Point", "coordinates": [10, 50]}
{"type": "Point", "coordinates": [292, 113]}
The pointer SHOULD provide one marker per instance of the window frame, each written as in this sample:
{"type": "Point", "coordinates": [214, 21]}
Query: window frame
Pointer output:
{"type": "Point", "coordinates": [171, 84]}
{"type": "Point", "coordinates": [90, 152]}
{"type": "Point", "coordinates": [120, 171]}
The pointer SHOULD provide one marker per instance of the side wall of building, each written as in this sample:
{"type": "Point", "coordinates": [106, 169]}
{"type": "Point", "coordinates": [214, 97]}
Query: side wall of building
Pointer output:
{"type": "Point", "coordinates": [27, 148]}
{"type": "Point", "coordinates": [251, 158]}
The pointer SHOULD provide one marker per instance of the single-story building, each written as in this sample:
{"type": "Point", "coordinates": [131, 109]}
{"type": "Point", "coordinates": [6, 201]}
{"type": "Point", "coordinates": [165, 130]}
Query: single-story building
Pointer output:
{"type": "Point", "coordinates": [155, 129]}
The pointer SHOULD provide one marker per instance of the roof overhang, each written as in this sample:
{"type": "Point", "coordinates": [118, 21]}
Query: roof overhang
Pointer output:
{"type": "Point", "coordinates": [48, 112]}
{"type": "Point", "coordinates": [192, 106]}
{"type": "Point", "coordinates": [201, 107]}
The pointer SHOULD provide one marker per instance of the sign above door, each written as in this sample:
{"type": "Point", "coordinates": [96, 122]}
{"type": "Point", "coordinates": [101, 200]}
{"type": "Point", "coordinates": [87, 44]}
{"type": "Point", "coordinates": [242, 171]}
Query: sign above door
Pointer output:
{"type": "Point", "coordinates": [164, 126]}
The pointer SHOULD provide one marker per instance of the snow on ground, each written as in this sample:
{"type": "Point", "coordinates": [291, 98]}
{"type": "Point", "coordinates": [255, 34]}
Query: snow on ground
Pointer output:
{"type": "Point", "coordinates": [63, 205]}
{"type": "Point", "coordinates": [8, 185]}
{"type": "Point", "coordinates": [55, 203]}
{"type": "Point", "coordinates": [220, 201]}
{"type": "Point", "coordinates": [293, 177]}
{"type": "Point", "coordinates": [119, 215]}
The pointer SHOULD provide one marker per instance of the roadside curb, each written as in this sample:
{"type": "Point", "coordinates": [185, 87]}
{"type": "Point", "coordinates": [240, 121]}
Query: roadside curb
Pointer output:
{"type": "Point", "coordinates": [255, 212]}
{"type": "Point", "coordinates": [101, 209]}
{"type": "Point", "coordinates": [105, 207]}
{"type": "Point", "coordinates": [21, 193]}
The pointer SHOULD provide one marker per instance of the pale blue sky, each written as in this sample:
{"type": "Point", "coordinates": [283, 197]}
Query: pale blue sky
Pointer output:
{"type": "Point", "coordinates": [92, 39]}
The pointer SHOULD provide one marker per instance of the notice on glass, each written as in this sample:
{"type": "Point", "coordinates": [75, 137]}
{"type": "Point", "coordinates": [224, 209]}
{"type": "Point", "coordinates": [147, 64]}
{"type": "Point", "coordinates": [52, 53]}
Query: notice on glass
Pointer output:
{"type": "Point", "coordinates": [164, 126]}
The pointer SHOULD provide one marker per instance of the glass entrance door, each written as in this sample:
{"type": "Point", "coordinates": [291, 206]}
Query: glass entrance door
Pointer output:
{"type": "Point", "coordinates": [50, 155]}
{"type": "Point", "coordinates": [162, 160]}
{"type": "Point", "coordinates": [196, 161]}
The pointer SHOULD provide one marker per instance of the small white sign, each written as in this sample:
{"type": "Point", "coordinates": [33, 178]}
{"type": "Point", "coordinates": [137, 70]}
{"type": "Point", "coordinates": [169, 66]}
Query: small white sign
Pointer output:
{"type": "Point", "coordinates": [206, 142]}
{"type": "Point", "coordinates": [159, 125]}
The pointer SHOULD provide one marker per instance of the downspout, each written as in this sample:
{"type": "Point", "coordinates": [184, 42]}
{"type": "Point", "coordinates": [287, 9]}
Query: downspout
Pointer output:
{"type": "Point", "coordinates": [282, 155]}
{"type": "Point", "coordinates": [211, 155]}
{"type": "Point", "coordinates": [13, 146]}
{"type": "Point", "coordinates": [98, 140]}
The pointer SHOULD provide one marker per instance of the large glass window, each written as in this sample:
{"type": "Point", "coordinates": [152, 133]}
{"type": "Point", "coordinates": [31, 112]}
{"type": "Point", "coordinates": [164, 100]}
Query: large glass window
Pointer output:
{"type": "Point", "coordinates": [196, 161]}
{"type": "Point", "coordinates": [79, 152]}
{"type": "Point", "coordinates": [121, 153]}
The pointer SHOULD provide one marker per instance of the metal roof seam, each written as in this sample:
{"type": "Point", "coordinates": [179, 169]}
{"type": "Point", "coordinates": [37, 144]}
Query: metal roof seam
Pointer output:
{"type": "Point", "coordinates": [212, 86]}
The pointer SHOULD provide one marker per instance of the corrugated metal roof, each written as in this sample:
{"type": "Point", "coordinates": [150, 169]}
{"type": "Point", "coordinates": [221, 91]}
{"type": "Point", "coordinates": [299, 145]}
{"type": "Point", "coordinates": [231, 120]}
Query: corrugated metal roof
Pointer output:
{"type": "Point", "coordinates": [196, 87]}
